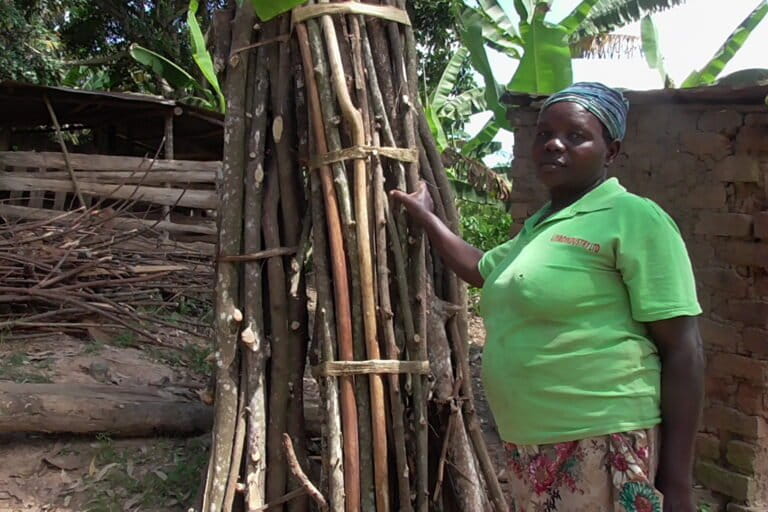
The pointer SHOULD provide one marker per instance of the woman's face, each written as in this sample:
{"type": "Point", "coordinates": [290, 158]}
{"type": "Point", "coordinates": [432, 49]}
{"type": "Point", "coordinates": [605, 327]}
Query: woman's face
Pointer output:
{"type": "Point", "coordinates": [570, 150]}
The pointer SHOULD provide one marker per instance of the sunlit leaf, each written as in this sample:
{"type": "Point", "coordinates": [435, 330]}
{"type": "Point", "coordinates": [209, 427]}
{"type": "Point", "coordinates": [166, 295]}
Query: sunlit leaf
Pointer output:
{"type": "Point", "coordinates": [268, 9]}
{"type": "Point", "coordinates": [708, 74]}
{"type": "Point", "coordinates": [162, 67]}
{"type": "Point", "coordinates": [200, 53]}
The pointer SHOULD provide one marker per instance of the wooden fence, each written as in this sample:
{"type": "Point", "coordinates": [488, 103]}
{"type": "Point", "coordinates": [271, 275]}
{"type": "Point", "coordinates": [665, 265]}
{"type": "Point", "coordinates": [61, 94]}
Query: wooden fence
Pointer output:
{"type": "Point", "coordinates": [37, 185]}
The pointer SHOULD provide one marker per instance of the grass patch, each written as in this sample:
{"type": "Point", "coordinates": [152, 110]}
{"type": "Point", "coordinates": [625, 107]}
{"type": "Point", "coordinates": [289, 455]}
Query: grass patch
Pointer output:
{"type": "Point", "coordinates": [162, 475]}
{"type": "Point", "coordinates": [17, 368]}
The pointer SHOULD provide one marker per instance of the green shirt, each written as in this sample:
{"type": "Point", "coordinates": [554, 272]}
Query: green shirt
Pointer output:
{"type": "Point", "coordinates": [567, 354]}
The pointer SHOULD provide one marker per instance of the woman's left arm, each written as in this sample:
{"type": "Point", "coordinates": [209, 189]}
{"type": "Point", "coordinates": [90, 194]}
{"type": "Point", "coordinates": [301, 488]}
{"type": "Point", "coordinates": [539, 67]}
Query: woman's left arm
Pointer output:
{"type": "Point", "coordinates": [682, 392]}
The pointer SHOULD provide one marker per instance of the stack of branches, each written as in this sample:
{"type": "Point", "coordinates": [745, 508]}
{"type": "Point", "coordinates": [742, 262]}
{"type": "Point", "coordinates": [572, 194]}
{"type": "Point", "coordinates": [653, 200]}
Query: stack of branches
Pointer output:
{"type": "Point", "coordinates": [323, 121]}
{"type": "Point", "coordinates": [95, 268]}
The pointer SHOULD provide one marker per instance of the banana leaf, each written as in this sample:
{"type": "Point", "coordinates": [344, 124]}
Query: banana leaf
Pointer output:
{"type": "Point", "coordinates": [447, 81]}
{"type": "Point", "coordinates": [651, 48]}
{"type": "Point", "coordinates": [546, 64]}
{"type": "Point", "coordinates": [436, 127]}
{"type": "Point", "coordinates": [608, 15]}
{"type": "Point", "coordinates": [268, 9]}
{"type": "Point", "coordinates": [494, 35]}
{"type": "Point", "coordinates": [734, 42]}
{"type": "Point", "coordinates": [464, 105]}
{"type": "Point", "coordinates": [573, 21]}
{"type": "Point", "coordinates": [162, 67]}
{"type": "Point", "coordinates": [525, 9]}
{"type": "Point", "coordinates": [496, 13]}
{"type": "Point", "coordinates": [485, 136]}
{"type": "Point", "coordinates": [472, 36]}
{"type": "Point", "coordinates": [200, 54]}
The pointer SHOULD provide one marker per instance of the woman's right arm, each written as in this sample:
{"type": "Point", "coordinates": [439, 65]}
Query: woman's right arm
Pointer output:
{"type": "Point", "coordinates": [457, 254]}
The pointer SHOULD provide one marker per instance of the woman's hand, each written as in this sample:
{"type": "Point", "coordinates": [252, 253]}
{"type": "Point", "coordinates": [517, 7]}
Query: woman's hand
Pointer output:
{"type": "Point", "coordinates": [418, 203]}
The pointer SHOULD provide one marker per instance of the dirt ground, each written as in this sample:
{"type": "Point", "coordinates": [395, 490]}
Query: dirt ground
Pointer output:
{"type": "Point", "coordinates": [101, 474]}
{"type": "Point", "coordinates": [98, 473]}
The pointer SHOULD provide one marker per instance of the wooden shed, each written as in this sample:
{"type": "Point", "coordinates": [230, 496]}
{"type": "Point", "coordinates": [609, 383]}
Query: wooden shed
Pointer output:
{"type": "Point", "coordinates": [59, 145]}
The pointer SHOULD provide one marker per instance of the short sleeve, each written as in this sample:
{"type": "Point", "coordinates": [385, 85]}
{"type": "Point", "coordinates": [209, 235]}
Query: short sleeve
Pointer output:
{"type": "Point", "coordinates": [654, 263]}
{"type": "Point", "coordinates": [494, 257]}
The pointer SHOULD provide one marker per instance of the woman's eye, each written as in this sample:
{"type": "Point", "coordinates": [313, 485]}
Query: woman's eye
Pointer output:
{"type": "Point", "coordinates": [577, 137]}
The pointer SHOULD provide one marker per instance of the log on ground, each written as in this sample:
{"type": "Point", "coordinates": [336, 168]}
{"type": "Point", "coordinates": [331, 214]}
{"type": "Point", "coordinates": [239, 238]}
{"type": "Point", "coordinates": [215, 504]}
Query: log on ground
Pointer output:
{"type": "Point", "coordinates": [88, 409]}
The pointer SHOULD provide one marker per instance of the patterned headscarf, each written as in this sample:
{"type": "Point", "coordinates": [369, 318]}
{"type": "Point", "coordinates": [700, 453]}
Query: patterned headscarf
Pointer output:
{"type": "Point", "coordinates": [608, 105]}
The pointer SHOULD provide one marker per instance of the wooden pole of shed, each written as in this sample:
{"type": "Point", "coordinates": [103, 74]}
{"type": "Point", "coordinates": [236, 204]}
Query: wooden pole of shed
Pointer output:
{"type": "Point", "coordinates": [168, 156]}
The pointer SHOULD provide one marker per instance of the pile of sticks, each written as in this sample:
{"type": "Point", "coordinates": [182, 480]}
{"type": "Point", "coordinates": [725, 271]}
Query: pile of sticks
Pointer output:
{"type": "Point", "coordinates": [95, 268]}
{"type": "Point", "coordinates": [323, 120]}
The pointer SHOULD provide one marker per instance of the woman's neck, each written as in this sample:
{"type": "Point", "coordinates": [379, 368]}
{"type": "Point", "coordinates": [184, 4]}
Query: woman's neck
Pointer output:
{"type": "Point", "coordinates": [563, 197]}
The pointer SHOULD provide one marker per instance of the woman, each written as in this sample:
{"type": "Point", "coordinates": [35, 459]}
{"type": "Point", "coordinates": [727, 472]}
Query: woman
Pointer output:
{"type": "Point", "coordinates": [593, 365]}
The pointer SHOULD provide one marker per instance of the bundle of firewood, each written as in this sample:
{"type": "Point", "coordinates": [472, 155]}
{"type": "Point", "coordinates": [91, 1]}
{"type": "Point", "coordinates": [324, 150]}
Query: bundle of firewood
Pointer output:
{"type": "Point", "coordinates": [93, 267]}
{"type": "Point", "coordinates": [323, 120]}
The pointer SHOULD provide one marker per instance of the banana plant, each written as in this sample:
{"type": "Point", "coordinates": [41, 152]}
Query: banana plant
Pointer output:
{"type": "Point", "coordinates": [543, 49]}
{"type": "Point", "coordinates": [652, 49]}
{"type": "Point", "coordinates": [200, 54]}
{"type": "Point", "coordinates": [178, 77]}
{"type": "Point", "coordinates": [709, 73]}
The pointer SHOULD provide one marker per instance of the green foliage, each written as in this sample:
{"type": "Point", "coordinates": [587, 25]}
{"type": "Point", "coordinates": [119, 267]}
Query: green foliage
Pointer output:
{"type": "Point", "coordinates": [608, 15]}
{"type": "Point", "coordinates": [652, 49]}
{"type": "Point", "coordinates": [200, 53]}
{"type": "Point", "coordinates": [709, 73]}
{"type": "Point", "coordinates": [163, 67]}
{"type": "Point", "coordinates": [436, 30]}
{"type": "Point", "coordinates": [30, 48]}
{"type": "Point", "coordinates": [545, 67]}
{"type": "Point", "coordinates": [268, 9]}
{"type": "Point", "coordinates": [483, 225]}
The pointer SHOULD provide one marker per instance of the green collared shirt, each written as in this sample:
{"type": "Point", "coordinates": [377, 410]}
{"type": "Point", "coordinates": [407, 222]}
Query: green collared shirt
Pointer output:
{"type": "Point", "coordinates": [565, 303]}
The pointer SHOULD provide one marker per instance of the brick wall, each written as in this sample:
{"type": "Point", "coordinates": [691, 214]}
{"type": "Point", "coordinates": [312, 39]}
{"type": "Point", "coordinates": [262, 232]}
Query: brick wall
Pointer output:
{"type": "Point", "coordinates": [707, 165]}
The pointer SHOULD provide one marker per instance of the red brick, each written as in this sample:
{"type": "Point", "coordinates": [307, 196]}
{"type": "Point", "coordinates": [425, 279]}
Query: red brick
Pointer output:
{"type": "Point", "coordinates": [719, 389]}
{"type": "Point", "coordinates": [712, 144]}
{"type": "Point", "coordinates": [749, 399]}
{"type": "Point", "coordinates": [723, 121]}
{"type": "Point", "coordinates": [738, 168]}
{"type": "Point", "coordinates": [756, 342]}
{"type": "Point", "coordinates": [706, 196]}
{"type": "Point", "coordinates": [752, 140]}
{"type": "Point", "coordinates": [739, 367]}
{"type": "Point", "coordinates": [723, 280]}
{"type": "Point", "coordinates": [736, 422]}
{"type": "Point", "coordinates": [752, 313]}
{"type": "Point", "coordinates": [724, 224]}
{"type": "Point", "coordinates": [744, 253]}
{"type": "Point", "coordinates": [719, 335]}
{"type": "Point", "coordinates": [761, 225]}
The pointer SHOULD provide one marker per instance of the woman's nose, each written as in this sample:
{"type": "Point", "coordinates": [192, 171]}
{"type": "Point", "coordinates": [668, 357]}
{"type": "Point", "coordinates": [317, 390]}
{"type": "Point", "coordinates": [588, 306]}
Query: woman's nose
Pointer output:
{"type": "Point", "coordinates": [554, 144]}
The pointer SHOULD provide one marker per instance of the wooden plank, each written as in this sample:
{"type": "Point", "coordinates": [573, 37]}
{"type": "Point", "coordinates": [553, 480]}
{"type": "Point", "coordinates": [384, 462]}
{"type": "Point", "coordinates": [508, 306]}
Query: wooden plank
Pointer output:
{"type": "Point", "coordinates": [36, 197]}
{"type": "Point", "coordinates": [163, 196]}
{"type": "Point", "coordinates": [130, 177]}
{"type": "Point", "coordinates": [91, 408]}
{"type": "Point", "coordinates": [23, 212]}
{"type": "Point", "coordinates": [84, 162]}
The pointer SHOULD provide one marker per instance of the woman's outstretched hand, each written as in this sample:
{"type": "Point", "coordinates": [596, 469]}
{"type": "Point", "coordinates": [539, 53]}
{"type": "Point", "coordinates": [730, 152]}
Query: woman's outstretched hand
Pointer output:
{"type": "Point", "coordinates": [417, 203]}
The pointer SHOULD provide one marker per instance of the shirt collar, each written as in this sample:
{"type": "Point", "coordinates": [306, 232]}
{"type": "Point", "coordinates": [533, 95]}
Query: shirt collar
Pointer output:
{"type": "Point", "coordinates": [599, 198]}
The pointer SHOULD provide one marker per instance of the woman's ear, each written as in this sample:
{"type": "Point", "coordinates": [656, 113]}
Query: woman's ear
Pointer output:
{"type": "Point", "coordinates": [614, 148]}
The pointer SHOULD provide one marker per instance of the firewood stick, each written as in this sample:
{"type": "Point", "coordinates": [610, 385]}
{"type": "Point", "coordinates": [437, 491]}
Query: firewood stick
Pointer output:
{"type": "Point", "coordinates": [339, 272]}
{"type": "Point", "coordinates": [354, 118]}
{"type": "Point", "coordinates": [306, 483]}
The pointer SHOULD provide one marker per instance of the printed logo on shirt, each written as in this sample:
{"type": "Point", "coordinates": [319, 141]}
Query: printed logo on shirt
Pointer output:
{"type": "Point", "coordinates": [576, 242]}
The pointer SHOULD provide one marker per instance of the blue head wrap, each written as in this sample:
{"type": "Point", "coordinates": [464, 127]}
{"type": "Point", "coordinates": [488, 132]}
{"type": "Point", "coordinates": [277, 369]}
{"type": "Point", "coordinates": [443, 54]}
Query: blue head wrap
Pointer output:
{"type": "Point", "coordinates": [608, 105]}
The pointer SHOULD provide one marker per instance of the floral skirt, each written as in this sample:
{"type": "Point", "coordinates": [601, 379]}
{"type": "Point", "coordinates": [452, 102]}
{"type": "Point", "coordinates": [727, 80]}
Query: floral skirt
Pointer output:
{"type": "Point", "coordinates": [613, 473]}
